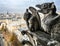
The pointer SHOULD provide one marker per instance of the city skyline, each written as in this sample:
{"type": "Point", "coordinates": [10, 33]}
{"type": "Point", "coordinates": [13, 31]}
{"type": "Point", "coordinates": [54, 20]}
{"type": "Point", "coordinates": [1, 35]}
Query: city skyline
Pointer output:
{"type": "Point", "coordinates": [19, 6]}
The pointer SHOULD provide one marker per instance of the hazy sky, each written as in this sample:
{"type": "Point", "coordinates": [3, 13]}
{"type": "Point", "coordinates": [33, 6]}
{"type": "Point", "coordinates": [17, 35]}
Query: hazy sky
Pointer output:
{"type": "Point", "coordinates": [21, 5]}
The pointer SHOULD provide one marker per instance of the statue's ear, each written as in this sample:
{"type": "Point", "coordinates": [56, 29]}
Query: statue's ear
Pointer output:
{"type": "Point", "coordinates": [39, 6]}
{"type": "Point", "coordinates": [32, 9]}
{"type": "Point", "coordinates": [53, 6]}
{"type": "Point", "coordinates": [52, 2]}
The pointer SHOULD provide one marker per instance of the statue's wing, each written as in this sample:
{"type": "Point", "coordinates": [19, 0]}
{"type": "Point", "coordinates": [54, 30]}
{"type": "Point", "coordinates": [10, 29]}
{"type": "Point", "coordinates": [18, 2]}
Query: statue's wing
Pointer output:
{"type": "Point", "coordinates": [56, 29]}
{"type": "Point", "coordinates": [32, 9]}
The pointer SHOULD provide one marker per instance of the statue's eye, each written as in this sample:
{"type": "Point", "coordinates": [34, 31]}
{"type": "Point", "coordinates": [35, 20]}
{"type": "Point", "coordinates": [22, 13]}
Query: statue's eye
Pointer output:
{"type": "Point", "coordinates": [45, 6]}
{"type": "Point", "coordinates": [23, 32]}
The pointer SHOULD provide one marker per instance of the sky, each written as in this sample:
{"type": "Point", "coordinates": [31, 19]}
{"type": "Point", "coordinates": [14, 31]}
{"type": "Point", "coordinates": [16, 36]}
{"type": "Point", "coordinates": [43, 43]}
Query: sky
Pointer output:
{"type": "Point", "coordinates": [19, 6]}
